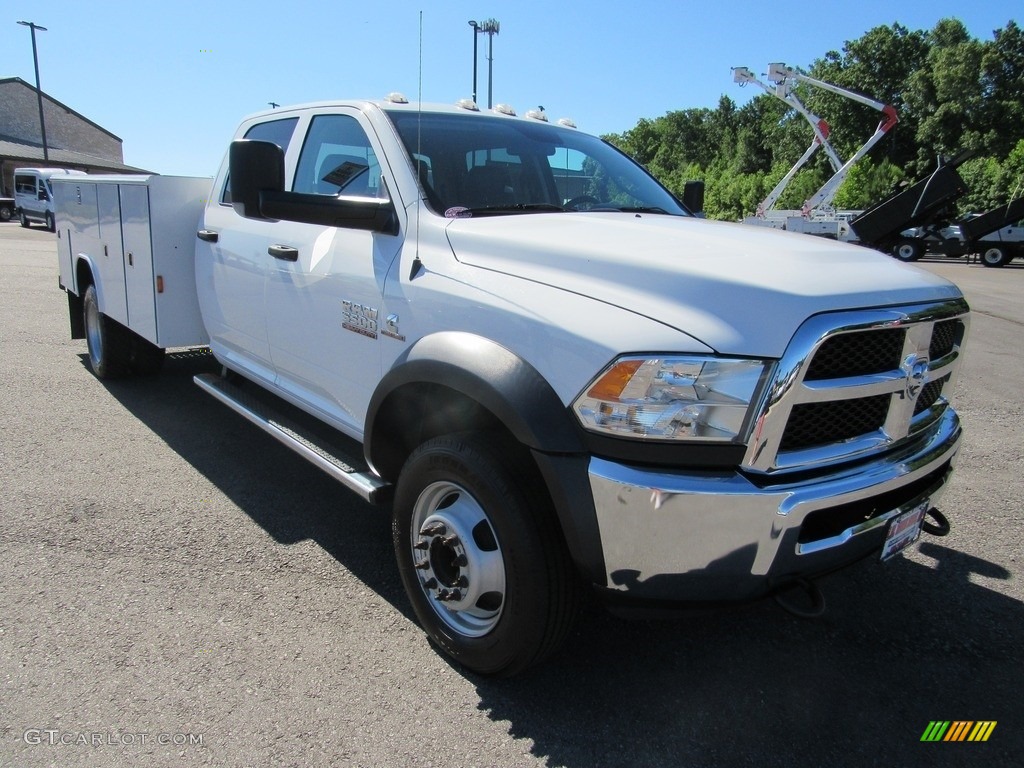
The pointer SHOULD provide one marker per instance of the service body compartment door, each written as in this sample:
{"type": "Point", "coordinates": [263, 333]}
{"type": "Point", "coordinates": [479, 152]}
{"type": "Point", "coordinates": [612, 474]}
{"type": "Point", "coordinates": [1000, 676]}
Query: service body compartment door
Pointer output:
{"type": "Point", "coordinates": [138, 260]}
{"type": "Point", "coordinates": [175, 208]}
{"type": "Point", "coordinates": [111, 268]}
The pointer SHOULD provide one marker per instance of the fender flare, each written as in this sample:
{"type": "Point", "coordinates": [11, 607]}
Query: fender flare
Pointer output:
{"type": "Point", "coordinates": [487, 373]}
{"type": "Point", "coordinates": [84, 260]}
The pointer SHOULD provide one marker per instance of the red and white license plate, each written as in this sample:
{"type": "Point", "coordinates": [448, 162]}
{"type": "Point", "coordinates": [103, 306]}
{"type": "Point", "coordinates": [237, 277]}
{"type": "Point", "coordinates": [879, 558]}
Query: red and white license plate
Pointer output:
{"type": "Point", "coordinates": [904, 530]}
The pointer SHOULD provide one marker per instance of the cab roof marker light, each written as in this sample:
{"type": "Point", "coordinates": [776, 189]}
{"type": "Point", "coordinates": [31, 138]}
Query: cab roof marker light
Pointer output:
{"type": "Point", "coordinates": [537, 114]}
{"type": "Point", "coordinates": [467, 104]}
{"type": "Point", "coordinates": [566, 122]}
{"type": "Point", "coordinates": [397, 98]}
{"type": "Point", "coordinates": [504, 109]}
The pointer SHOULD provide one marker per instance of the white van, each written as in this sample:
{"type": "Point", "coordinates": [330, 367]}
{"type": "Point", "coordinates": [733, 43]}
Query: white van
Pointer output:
{"type": "Point", "coordinates": [33, 196]}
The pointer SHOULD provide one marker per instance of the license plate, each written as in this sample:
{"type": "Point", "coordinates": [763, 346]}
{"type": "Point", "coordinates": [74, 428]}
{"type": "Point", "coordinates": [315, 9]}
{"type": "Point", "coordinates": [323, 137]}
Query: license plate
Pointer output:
{"type": "Point", "coordinates": [904, 530]}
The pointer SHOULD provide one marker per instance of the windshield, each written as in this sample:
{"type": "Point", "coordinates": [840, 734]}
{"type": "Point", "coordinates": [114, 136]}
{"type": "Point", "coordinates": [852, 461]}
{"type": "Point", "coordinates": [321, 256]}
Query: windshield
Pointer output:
{"type": "Point", "coordinates": [470, 164]}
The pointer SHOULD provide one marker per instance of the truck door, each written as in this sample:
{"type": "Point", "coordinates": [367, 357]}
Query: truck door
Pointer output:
{"type": "Point", "coordinates": [324, 286]}
{"type": "Point", "coordinates": [231, 268]}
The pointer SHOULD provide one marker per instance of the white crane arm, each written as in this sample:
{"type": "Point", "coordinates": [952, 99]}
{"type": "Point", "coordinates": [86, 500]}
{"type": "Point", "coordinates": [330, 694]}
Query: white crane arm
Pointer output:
{"type": "Point", "coordinates": [782, 75]}
{"type": "Point", "coordinates": [743, 76]}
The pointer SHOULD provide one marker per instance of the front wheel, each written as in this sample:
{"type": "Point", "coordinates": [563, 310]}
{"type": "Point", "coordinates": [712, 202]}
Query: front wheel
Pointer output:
{"type": "Point", "coordinates": [481, 555]}
{"type": "Point", "coordinates": [23, 219]}
{"type": "Point", "coordinates": [51, 225]}
{"type": "Point", "coordinates": [996, 256]}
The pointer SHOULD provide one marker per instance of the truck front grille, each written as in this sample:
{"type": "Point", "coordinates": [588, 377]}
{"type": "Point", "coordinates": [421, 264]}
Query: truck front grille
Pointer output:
{"type": "Point", "coordinates": [822, 423]}
{"type": "Point", "coordinates": [856, 383]}
{"type": "Point", "coordinates": [856, 354]}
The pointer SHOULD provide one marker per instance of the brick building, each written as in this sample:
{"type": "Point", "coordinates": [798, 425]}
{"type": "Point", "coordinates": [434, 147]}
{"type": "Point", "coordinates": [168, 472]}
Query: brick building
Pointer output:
{"type": "Point", "coordinates": [72, 140]}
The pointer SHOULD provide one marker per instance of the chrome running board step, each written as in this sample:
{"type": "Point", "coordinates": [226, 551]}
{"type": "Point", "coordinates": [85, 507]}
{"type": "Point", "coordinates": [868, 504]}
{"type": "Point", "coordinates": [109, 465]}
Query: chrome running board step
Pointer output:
{"type": "Point", "coordinates": [347, 470]}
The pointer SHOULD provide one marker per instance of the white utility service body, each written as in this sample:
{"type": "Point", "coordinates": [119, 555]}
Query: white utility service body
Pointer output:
{"type": "Point", "coordinates": [552, 371]}
{"type": "Point", "coordinates": [137, 236]}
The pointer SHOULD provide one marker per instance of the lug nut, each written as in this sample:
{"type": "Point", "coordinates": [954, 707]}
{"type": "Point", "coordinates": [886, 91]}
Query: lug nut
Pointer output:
{"type": "Point", "coordinates": [430, 583]}
{"type": "Point", "coordinates": [421, 545]}
{"type": "Point", "coordinates": [450, 541]}
{"type": "Point", "coordinates": [434, 529]}
{"type": "Point", "coordinates": [422, 565]}
{"type": "Point", "coordinates": [462, 561]}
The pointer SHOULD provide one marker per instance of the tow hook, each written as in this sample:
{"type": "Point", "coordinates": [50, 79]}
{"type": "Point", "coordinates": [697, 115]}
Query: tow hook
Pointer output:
{"type": "Point", "coordinates": [941, 525]}
{"type": "Point", "coordinates": [790, 603]}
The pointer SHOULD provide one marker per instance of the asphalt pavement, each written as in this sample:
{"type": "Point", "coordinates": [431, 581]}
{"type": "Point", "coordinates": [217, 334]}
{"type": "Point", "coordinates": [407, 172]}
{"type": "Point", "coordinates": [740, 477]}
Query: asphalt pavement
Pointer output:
{"type": "Point", "coordinates": [178, 590]}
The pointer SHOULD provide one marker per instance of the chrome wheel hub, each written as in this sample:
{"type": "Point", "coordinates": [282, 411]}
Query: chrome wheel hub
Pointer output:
{"type": "Point", "coordinates": [458, 560]}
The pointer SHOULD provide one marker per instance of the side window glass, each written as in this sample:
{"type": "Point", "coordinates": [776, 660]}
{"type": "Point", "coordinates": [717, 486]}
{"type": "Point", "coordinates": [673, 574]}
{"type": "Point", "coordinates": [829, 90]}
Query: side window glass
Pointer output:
{"type": "Point", "coordinates": [277, 131]}
{"type": "Point", "coordinates": [26, 185]}
{"type": "Point", "coordinates": [337, 159]}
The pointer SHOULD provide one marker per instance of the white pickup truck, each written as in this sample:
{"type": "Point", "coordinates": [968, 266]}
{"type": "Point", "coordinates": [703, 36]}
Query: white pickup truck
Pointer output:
{"type": "Point", "coordinates": [555, 375]}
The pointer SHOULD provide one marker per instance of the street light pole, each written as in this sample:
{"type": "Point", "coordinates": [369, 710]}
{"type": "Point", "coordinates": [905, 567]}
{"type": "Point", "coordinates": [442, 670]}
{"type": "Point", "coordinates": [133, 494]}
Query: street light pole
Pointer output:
{"type": "Point", "coordinates": [39, 91]}
{"type": "Point", "coordinates": [476, 31]}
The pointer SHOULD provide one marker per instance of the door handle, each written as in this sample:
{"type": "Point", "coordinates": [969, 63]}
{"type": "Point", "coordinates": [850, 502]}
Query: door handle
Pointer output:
{"type": "Point", "coordinates": [207, 235]}
{"type": "Point", "coordinates": [284, 252]}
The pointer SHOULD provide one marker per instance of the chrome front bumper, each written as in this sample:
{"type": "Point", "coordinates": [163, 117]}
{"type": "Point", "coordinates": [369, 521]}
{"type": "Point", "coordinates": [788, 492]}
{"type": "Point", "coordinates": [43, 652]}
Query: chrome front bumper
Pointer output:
{"type": "Point", "coordinates": [695, 537]}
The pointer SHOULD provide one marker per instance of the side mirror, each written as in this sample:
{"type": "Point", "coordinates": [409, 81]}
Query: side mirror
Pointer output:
{"type": "Point", "coordinates": [257, 192]}
{"type": "Point", "coordinates": [693, 197]}
{"type": "Point", "coordinates": [255, 167]}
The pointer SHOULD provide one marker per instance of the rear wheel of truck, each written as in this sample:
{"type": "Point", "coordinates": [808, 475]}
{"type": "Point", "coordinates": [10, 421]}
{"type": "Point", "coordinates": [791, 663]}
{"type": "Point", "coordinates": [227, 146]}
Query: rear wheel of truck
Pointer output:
{"type": "Point", "coordinates": [908, 250]}
{"type": "Point", "coordinates": [109, 344]}
{"type": "Point", "coordinates": [996, 256]}
{"type": "Point", "coordinates": [6, 214]}
{"type": "Point", "coordinates": [481, 555]}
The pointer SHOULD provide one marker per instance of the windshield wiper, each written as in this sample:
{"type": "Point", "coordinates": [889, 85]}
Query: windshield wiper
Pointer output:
{"type": "Point", "coordinates": [646, 209]}
{"type": "Point", "coordinates": [495, 210]}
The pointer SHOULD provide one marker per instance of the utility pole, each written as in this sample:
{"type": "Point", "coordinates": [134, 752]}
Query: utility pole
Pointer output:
{"type": "Point", "coordinates": [476, 31]}
{"type": "Point", "coordinates": [39, 91]}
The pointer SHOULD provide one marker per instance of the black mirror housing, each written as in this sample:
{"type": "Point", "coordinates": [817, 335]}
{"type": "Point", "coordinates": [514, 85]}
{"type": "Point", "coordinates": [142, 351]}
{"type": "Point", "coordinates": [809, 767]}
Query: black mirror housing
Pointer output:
{"type": "Point", "coordinates": [693, 197]}
{"type": "Point", "coordinates": [255, 167]}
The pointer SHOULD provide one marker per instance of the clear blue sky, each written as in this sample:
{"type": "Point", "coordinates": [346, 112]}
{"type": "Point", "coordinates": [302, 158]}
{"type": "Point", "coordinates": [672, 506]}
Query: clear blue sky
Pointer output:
{"type": "Point", "coordinates": [172, 79]}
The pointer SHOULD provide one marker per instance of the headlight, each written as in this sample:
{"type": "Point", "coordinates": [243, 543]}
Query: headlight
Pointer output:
{"type": "Point", "coordinates": [672, 398]}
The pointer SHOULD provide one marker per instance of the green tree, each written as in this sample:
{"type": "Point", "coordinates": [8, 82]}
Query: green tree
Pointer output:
{"type": "Point", "coordinates": [1002, 85]}
{"type": "Point", "coordinates": [868, 182]}
{"type": "Point", "coordinates": [946, 93]}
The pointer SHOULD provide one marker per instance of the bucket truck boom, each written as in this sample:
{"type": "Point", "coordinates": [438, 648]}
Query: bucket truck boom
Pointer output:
{"type": "Point", "coordinates": [783, 91]}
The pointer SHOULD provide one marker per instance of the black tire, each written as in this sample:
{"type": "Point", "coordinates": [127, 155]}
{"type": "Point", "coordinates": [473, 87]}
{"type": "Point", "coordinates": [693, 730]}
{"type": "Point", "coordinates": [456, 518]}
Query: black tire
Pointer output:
{"type": "Point", "coordinates": [51, 225]}
{"type": "Point", "coordinates": [481, 555]}
{"type": "Point", "coordinates": [6, 213]}
{"type": "Point", "coordinates": [108, 342]}
{"type": "Point", "coordinates": [908, 250]}
{"type": "Point", "coordinates": [23, 219]}
{"type": "Point", "coordinates": [995, 256]}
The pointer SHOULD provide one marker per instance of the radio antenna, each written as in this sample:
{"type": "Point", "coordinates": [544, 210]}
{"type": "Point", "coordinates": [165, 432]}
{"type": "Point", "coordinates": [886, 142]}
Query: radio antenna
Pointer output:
{"type": "Point", "coordinates": [419, 146]}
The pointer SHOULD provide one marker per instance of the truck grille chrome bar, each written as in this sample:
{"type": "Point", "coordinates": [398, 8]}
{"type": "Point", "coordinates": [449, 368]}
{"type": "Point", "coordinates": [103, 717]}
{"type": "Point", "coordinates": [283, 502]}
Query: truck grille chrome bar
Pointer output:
{"type": "Point", "coordinates": [853, 384]}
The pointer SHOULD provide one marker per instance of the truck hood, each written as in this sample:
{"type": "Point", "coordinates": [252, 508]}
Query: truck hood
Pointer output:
{"type": "Point", "coordinates": [739, 289]}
